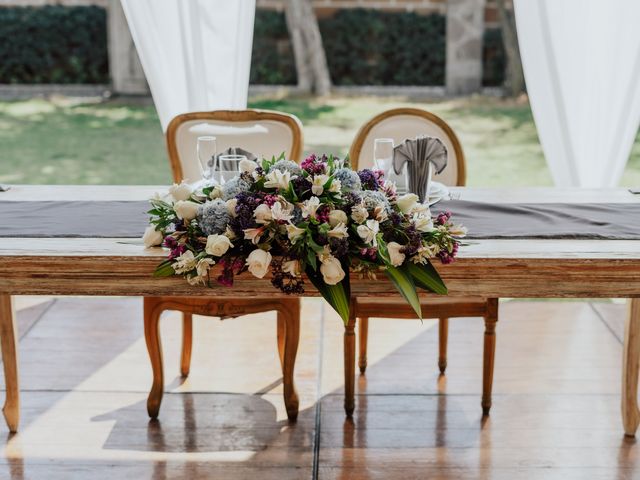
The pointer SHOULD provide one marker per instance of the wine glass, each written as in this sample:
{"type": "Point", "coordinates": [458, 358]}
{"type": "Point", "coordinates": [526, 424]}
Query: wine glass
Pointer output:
{"type": "Point", "coordinates": [383, 154]}
{"type": "Point", "coordinates": [206, 149]}
{"type": "Point", "coordinates": [229, 166]}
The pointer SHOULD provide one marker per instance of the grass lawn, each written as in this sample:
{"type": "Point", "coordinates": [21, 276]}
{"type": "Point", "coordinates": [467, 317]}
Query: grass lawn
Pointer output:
{"type": "Point", "coordinates": [68, 141]}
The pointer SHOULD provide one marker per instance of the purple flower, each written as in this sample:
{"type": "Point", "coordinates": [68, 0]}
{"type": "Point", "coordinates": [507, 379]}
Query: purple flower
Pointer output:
{"type": "Point", "coordinates": [313, 165]}
{"type": "Point", "coordinates": [443, 218]}
{"type": "Point", "coordinates": [368, 179]}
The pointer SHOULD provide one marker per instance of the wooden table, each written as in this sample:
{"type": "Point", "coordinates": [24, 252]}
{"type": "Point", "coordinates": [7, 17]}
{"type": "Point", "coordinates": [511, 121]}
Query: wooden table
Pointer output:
{"type": "Point", "coordinates": [485, 268]}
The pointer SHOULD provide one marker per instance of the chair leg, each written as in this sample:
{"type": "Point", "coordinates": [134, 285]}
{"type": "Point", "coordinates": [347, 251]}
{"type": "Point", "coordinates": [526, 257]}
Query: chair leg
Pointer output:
{"type": "Point", "coordinates": [187, 342]}
{"type": "Point", "coordinates": [152, 311]}
{"type": "Point", "coordinates": [289, 330]}
{"type": "Point", "coordinates": [443, 339]}
{"type": "Point", "coordinates": [363, 338]}
{"type": "Point", "coordinates": [490, 320]}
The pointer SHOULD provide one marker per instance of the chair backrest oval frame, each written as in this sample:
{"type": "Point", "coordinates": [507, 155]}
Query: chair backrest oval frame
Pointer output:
{"type": "Point", "coordinates": [231, 116]}
{"type": "Point", "coordinates": [363, 133]}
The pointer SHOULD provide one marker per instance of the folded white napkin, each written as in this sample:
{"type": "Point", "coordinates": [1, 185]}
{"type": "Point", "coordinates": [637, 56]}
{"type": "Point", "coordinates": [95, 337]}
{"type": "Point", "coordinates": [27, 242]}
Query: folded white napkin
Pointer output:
{"type": "Point", "coordinates": [419, 154]}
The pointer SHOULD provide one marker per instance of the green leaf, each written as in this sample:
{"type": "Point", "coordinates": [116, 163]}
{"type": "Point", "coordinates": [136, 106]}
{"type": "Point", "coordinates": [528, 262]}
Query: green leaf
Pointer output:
{"type": "Point", "coordinates": [427, 277]}
{"type": "Point", "coordinates": [404, 283]}
{"type": "Point", "coordinates": [165, 269]}
{"type": "Point", "coordinates": [312, 260]}
{"type": "Point", "coordinates": [338, 296]}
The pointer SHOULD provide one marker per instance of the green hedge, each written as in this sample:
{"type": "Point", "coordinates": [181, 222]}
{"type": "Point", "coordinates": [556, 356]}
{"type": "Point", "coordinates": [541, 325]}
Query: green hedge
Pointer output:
{"type": "Point", "coordinates": [53, 44]}
{"type": "Point", "coordinates": [57, 44]}
{"type": "Point", "coordinates": [371, 47]}
{"type": "Point", "coordinates": [272, 59]}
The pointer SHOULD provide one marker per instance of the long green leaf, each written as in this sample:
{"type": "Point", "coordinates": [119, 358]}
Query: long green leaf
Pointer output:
{"type": "Point", "coordinates": [427, 277]}
{"type": "Point", "coordinates": [165, 269]}
{"type": "Point", "coordinates": [404, 283]}
{"type": "Point", "coordinates": [337, 296]}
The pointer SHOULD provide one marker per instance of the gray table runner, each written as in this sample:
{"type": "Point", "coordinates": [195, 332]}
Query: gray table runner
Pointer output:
{"type": "Point", "coordinates": [616, 221]}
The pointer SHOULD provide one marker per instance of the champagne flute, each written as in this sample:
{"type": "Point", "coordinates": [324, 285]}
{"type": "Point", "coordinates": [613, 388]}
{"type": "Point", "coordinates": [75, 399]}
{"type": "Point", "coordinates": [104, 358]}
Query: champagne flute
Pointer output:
{"type": "Point", "coordinates": [383, 155]}
{"type": "Point", "coordinates": [206, 150]}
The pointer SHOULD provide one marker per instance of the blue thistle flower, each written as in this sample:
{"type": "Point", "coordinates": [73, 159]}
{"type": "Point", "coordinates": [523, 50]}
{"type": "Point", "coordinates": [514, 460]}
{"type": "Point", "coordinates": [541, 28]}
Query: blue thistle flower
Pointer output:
{"type": "Point", "coordinates": [375, 198]}
{"type": "Point", "coordinates": [233, 187]}
{"type": "Point", "coordinates": [349, 179]}
{"type": "Point", "coordinates": [213, 217]}
{"type": "Point", "coordinates": [287, 166]}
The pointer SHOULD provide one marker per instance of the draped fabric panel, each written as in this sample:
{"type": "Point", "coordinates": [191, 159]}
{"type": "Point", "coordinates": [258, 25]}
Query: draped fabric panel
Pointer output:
{"type": "Point", "coordinates": [196, 54]}
{"type": "Point", "coordinates": [581, 60]}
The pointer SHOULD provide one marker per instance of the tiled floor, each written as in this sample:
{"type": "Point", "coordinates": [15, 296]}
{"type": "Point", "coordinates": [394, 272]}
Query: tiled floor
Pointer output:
{"type": "Point", "coordinates": [85, 376]}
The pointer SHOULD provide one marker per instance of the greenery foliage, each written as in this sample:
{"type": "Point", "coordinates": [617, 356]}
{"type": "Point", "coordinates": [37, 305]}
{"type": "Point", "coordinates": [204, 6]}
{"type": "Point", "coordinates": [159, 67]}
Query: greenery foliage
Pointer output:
{"type": "Point", "coordinates": [58, 44]}
{"type": "Point", "coordinates": [372, 47]}
{"type": "Point", "coordinates": [53, 44]}
{"type": "Point", "coordinates": [272, 59]}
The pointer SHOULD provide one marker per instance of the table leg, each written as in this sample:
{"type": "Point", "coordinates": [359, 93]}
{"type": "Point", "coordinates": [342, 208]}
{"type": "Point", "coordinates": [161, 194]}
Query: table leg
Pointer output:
{"type": "Point", "coordinates": [8, 338]}
{"type": "Point", "coordinates": [289, 321]}
{"type": "Point", "coordinates": [152, 311]}
{"type": "Point", "coordinates": [350, 363]}
{"type": "Point", "coordinates": [630, 367]}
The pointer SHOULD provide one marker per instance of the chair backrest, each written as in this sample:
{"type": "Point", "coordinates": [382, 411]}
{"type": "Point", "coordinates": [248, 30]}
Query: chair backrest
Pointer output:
{"type": "Point", "coordinates": [403, 123]}
{"type": "Point", "coordinates": [262, 132]}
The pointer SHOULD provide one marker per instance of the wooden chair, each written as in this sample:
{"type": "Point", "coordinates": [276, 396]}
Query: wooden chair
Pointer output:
{"type": "Point", "coordinates": [264, 133]}
{"type": "Point", "coordinates": [399, 124]}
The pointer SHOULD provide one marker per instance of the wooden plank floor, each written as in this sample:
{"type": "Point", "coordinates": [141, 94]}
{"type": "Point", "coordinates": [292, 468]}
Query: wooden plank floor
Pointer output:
{"type": "Point", "coordinates": [85, 377]}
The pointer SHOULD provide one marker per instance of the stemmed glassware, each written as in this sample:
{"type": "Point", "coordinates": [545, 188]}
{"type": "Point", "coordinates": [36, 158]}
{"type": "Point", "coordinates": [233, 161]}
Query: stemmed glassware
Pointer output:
{"type": "Point", "coordinates": [383, 154]}
{"type": "Point", "coordinates": [207, 149]}
{"type": "Point", "coordinates": [383, 160]}
{"type": "Point", "coordinates": [229, 166]}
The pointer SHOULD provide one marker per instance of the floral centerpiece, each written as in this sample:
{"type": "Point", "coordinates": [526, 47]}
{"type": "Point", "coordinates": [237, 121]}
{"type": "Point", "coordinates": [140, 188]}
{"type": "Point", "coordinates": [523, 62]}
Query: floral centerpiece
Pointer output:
{"type": "Point", "coordinates": [319, 220]}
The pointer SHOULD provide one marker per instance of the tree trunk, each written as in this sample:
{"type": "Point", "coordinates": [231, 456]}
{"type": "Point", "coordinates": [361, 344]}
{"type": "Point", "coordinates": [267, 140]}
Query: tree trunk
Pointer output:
{"type": "Point", "coordinates": [514, 81]}
{"type": "Point", "coordinates": [308, 51]}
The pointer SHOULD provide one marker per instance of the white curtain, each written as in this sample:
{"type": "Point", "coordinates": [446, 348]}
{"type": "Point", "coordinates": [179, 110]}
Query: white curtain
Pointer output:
{"type": "Point", "coordinates": [581, 60]}
{"type": "Point", "coordinates": [196, 54]}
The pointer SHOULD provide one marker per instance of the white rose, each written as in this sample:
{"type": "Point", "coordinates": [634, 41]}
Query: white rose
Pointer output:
{"type": "Point", "coordinates": [180, 192]}
{"type": "Point", "coordinates": [262, 214]}
{"type": "Point", "coordinates": [395, 256]}
{"type": "Point", "coordinates": [339, 231]}
{"type": "Point", "coordinates": [368, 232]}
{"type": "Point", "coordinates": [336, 217]}
{"type": "Point", "coordinates": [294, 233]}
{"type": "Point", "coordinates": [292, 267]}
{"type": "Point", "coordinates": [152, 237]}
{"type": "Point", "coordinates": [231, 206]}
{"type": "Point", "coordinates": [247, 165]}
{"type": "Point", "coordinates": [186, 210]}
{"type": "Point", "coordinates": [331, 270]}
{"type": "Point", "coordinates": [407, 201]}
{"type": "Point", "coordinates": [258, 262]}
{"type": "Point", "coordinates": [217, 245]}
